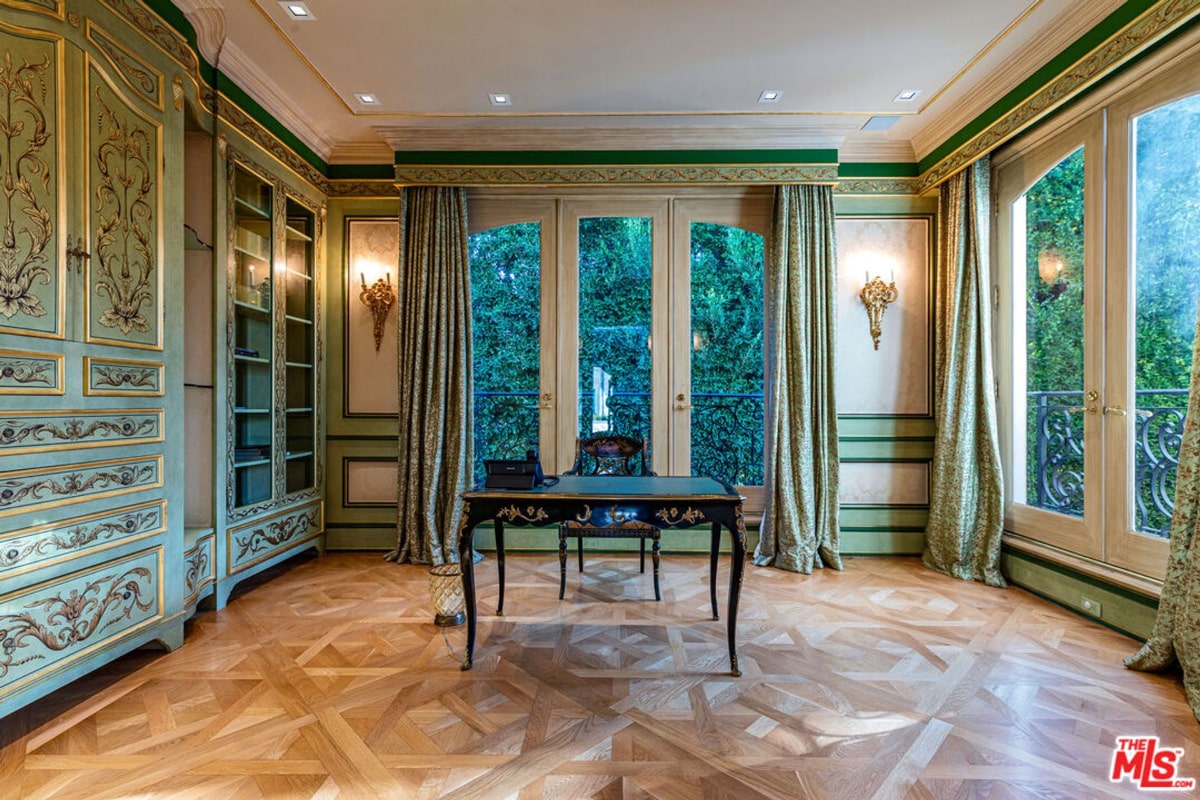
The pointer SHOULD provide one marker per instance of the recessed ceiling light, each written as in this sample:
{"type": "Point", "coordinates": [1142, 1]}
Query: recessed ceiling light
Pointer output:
{"type": "Point", "coordinates": [770, 96]}
{"type": "Point", "coordinates": [297, 10]}
{"type": "Point", "coordinates": [500, 99]}
{"type": "Point", "coordinates": [906, 96]}
{"type": "Point", "coordinates": [366, 98]}
{"type": "Point", "coordinates": [881, 122]}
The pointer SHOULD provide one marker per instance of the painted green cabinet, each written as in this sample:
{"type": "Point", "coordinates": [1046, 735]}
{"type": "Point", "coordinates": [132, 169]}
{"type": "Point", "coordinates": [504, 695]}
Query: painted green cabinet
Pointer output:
{"type": "Point", "coordinates": [91, 538]}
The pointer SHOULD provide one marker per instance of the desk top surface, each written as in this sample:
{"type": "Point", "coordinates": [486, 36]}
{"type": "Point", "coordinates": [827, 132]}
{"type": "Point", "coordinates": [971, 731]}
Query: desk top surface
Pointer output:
{"type": "Point", "coordinates": [617, 487]}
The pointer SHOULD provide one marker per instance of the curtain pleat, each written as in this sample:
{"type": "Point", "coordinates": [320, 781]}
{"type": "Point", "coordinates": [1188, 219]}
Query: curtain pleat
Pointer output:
{"type": "Point", "coordinates": [434, 363]}
{"type": "Point", "coordinates": [962, 536]}
{"type": "Point", "coordinates": [1176, 634]}
{"type": "Point", "coordinates": [800, 522]}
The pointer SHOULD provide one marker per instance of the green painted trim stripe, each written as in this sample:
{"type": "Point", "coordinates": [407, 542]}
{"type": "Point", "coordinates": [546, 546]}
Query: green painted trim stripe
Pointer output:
{"type": "Point", "coordinates": [868, 169]}
{"type": "Point", "coordinates": [366, 437]}
{"type": "Point", "coordinates": [881, 529]}
{"type": "Point", "coordinates": [360, 172]}
{"type": "Point", "coordinates": [1090, 580]}
{"type": "Point", "coordinates": [623, 158]}
{"type": "Point", "coordinates": [248, 104]}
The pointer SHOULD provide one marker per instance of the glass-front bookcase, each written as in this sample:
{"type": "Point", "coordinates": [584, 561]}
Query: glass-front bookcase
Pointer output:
{"type": "Point", "coordinates": [253, 339]}
{"type": "Point", "coordinates": [274, 364]}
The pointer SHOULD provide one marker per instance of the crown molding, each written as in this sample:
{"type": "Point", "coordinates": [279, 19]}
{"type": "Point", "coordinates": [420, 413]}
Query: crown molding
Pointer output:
{"type": "Point", "coordinates": [254, 82]}
{"type": "Point", "coordinates": [373, 151]}
{"type": "Point", "coordinates": [876, 148]}
{"type": "Point", "coordinates": [208, 19]}
{"type": "Point", "coordinates": [615, 133]}
{"type": "Point", "coordinates": [957, 110]}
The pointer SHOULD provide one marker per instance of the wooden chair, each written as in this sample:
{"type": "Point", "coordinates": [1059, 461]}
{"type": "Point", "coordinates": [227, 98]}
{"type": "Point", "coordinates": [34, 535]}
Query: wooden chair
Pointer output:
{"type": "Point", "coordinates": [609, 455]}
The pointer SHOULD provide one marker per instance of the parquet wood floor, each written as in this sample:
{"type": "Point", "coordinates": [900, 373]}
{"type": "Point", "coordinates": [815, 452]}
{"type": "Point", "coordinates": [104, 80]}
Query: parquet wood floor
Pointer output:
{"type": "Point", "coordinates": [881, 681]}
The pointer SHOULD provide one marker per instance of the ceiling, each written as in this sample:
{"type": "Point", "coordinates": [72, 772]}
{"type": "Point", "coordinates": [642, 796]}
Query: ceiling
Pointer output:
{"type": "Point", "coordinates": [632, 74]}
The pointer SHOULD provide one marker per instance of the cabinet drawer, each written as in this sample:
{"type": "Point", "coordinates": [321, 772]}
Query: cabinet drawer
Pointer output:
{"type": "Point", "coordinates": [200, 567]}
{"type": "Point", "coordinates": [41, 546]}
{"type": "Point", "coordinates": [259, 540]}
{"type": "Point", "coordinates": [51, 625]}
{"type": "Point", "coordinates": [32, 489]}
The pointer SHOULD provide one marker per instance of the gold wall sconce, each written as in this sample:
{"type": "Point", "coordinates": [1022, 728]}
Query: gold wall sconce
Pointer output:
{"type": "Point", "coordinates": [379, 297]}
{"type": "Point", "coordinates": [876, 296]}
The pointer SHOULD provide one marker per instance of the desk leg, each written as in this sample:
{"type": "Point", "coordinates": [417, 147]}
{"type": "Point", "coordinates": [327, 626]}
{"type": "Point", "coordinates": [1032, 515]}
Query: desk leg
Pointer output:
{"type": "Point", "coordinates": [712, 567]}
{"type": "Point", "coordinates": [466, 560]}
{"type": "Point", "coordinates": [736, 567]}
{"type": "Point", "coordinates": [500, 564]}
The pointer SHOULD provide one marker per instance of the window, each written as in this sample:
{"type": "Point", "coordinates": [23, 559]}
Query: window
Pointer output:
{"type": "Point", "coordinates": [647, 320]}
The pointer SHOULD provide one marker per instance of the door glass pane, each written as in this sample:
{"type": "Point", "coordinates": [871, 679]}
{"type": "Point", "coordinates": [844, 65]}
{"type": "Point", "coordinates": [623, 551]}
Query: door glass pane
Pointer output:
{"type": "Point", "coordinates": [300, 348]}
{"type": "Point", "coordinates": [253, 340]}
{"type": "Point", "coordinates": [505, 315]}
{"type": "Point", "coordinates": [615, 262]}
{"type": "Point", "coordinates": [727, 353]}
{"type": "Point", "coordinates": [1166, 227]}
{"type": "Point", "coordinates": [1048, 230]}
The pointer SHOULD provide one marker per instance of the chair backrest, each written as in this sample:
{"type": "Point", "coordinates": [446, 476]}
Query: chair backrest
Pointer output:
{"type": "Point", "coordinates": [611, 454]}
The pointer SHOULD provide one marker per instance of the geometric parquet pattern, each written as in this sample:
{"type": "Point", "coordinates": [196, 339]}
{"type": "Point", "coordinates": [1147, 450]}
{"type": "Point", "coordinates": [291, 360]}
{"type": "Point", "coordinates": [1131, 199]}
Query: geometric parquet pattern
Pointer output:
{"type": "Point", "coordinates": [884, 680]}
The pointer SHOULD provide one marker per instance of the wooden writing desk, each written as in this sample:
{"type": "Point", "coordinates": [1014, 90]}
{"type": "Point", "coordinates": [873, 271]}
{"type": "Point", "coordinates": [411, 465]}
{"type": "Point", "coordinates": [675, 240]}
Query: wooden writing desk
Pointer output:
{"type": "Point", "coordinates": [666, 502]}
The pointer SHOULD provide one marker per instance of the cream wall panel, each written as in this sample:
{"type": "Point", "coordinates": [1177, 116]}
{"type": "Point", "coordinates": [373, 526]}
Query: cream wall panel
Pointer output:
{"type": "Point", "coordinates": [884, 483]}
{"type": "Point", "coordinates": [369, 481]}
{"type": "Point", "coordinates": [895, 378]}
{"type": "Point", "coordinates": [372, 252]}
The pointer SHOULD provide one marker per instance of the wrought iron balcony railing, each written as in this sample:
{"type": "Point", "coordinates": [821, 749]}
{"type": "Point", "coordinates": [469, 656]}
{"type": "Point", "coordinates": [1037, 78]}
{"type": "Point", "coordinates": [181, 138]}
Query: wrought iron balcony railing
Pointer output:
{"type": "Point", "coordinates": [1055, 464]}
{"type": "Point", "coordinates": [727, 442]}
{"type": "Point", "coordinates": [727, 429]}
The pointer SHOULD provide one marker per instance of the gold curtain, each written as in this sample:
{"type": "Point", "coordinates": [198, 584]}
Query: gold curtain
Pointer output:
{"type": "Point", "coordinates": [962, 537]}
{"type": "Point", "coordinates": [434, 311]}
{"type": "Point", "coordinates": [800, 521]}
{"type": "Point", "coordinates": [1176, 634]}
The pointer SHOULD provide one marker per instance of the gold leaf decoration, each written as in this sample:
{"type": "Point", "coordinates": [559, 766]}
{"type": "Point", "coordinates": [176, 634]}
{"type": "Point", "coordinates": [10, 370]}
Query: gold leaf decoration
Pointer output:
{"type": "Point", "coordinates": [27, 225]}
{"type": "Point", "coordinates": [125, 205]}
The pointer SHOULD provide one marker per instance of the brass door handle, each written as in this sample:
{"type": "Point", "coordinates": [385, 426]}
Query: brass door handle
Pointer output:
{"type": "Point", "coordinates": [681, 403]}
{"type": "Point", "coordinates": [547, 400]}
{"type": "Point", "coordinates": [75, 253]}
{"type": "Point", "coordinates": [1084, 409]}
{"type": "Point", "coordinates": [1116, 410]}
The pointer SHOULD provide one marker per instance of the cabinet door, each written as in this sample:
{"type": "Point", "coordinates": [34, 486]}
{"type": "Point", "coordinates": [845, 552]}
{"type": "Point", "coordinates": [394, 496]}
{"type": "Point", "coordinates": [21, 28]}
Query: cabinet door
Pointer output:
{"type": "Point", "coordinates": [124, 191]}
{"type": "Point", "coordinates": [300, 350]}
{"type": "Point", "coordinates": [33, 246]}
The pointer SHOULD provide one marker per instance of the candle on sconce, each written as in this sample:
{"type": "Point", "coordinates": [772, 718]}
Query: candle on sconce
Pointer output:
{"type": "Point", "coordinates": [251, 274]}
{"type": "Point", "coordinates": [362, 276]}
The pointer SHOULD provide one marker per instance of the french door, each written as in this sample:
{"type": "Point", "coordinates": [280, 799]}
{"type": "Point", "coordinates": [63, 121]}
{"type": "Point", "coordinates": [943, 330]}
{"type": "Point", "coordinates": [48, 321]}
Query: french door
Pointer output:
{"type": "Point", "coordinates": [645, 318]}
{"type": "Point", "coordinates": [1098, 297]}
{"type": "Point", "coordinates": [1051, 306]}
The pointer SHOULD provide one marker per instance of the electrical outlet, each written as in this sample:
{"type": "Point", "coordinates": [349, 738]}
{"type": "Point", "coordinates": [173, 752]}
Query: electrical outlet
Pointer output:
{"type": "Point", "coordinates": [1090, 606]}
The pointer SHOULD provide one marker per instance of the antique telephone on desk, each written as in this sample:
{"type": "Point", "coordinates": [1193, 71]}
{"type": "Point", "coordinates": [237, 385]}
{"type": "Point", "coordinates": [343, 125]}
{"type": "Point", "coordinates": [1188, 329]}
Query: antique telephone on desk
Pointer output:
{"type": "Point", "coordinates": [510, 474]}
